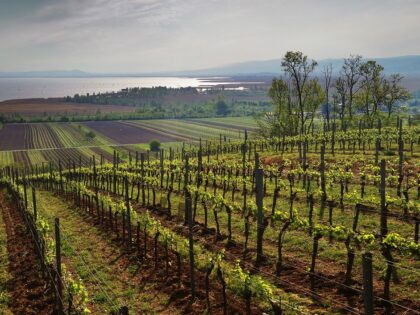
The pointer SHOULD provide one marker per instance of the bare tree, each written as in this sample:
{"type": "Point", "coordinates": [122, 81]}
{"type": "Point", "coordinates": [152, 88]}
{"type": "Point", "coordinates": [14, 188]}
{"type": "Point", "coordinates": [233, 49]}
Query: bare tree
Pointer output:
{"type": "Point", "coordinates": [350, 76]}
{"type": "Point", "coordinates": [298, 67]}
{"type": "Point", "coordinates": [341, 98]}
{"type": "Point", "coordinates": [327, 72]}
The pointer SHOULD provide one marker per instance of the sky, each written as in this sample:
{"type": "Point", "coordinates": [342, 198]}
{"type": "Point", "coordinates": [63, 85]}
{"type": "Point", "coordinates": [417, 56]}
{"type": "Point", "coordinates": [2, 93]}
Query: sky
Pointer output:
{"type": "Point", "coordinates": [169, 35]}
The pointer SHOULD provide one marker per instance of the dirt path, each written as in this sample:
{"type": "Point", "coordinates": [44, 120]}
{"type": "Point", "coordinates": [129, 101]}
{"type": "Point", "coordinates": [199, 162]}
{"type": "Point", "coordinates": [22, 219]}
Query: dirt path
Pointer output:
{"type": "Point", "coordinates": [28, 291]}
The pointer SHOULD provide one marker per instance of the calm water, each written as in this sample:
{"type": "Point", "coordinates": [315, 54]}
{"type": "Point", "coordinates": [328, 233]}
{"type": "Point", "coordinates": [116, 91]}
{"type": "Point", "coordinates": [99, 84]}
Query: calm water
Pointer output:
{"type": "Point", "coordinates": [15, 88]}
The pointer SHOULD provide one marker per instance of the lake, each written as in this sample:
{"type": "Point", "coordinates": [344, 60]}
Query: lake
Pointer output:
{"type": "Point", "coordinates": [17, 88]}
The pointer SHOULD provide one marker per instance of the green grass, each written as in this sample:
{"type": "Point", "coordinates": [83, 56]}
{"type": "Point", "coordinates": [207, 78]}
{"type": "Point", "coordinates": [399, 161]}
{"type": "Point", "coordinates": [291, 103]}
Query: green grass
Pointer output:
{"type": "Point", "coordinates": [92, 255]}
{"type": "Point", "coordinates": [36, 157]}
{"type": "Point", "coordinates": [73, 136]}
{"type": "Point", "coordinates": [184, 128]}
{"type": "Point", "coordinates": [245, 122]}
{"type": "Point", "coordinates": [6, 158]}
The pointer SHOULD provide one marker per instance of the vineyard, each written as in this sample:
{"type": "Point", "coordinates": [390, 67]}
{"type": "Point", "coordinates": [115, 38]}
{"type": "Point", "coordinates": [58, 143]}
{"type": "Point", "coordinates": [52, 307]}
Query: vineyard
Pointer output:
{"type": "Point", "coordinates": [228, 224]}
{"type": "Point", "coordinates": [27, 145]}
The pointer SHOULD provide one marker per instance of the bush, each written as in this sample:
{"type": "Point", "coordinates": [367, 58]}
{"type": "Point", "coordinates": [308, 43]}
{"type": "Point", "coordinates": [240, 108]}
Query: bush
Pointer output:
{"type": "Point", "coordinates": [90, 134]}
{"type": "Point", "coordinates": [154, 145]}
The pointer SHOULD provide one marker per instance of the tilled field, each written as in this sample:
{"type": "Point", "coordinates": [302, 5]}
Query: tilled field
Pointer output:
{"type": "Point", "coordinates": [37, 107]}
{"type": "Point", "coordinates": [15, 137]}
{"type": "Point", "coordinates": [123, 133]}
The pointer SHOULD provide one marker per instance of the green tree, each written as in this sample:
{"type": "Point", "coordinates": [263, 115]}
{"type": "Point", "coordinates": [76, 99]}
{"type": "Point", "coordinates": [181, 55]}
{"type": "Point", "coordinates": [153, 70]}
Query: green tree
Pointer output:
{"type": "Point", "coordinates": [290, 117]}
{"type": "Point", "coordinates": [372, 92]}
{"type": "Point", "coordinates": [394, 93]}
{"type": "Point", "coordinates": [283, 120]}
{"type": "Point", "coordinates": [154, 145]}
{"type": "Point", "coordinates": [221, 108]}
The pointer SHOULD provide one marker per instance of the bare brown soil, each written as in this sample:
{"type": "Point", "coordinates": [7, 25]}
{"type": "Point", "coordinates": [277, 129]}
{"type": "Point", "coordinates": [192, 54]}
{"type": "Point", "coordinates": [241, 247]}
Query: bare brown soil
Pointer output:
{"type": "Point", "coordinates": [65, 155]}
{"type": "Point", "coordinates": [37, 107]}
{"type": "Point", "coordinates": [294, 278]}
{"type": "Point", "coordinates": [29, 291]}
{"type": "Point", "coordinates": [126, 134]}
{"type": "Point", "coordinates": [15, 137]}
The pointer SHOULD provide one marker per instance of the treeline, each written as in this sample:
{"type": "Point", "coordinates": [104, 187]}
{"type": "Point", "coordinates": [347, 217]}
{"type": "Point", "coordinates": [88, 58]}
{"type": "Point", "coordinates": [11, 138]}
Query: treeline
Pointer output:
{"type": "Point", "coordinates": [165, 96]}
{"type": "Point", "coordinates": [132, 96]}
{"type": "Point", "coordinates": [360, 94]}
{"type": "Point", "coordinates": [217, 108]}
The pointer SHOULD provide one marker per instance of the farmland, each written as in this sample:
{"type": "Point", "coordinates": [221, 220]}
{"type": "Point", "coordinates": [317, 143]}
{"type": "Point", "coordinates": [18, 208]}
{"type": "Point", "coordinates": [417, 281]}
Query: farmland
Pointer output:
{"type": "Point", "coordinates": [182, 158]}
{"type": "Point", "coordinates": [125, 133]}
{"type": "Point", "coordinates": [32, 144]}
{"type": "Point", "coordinates": [51, 107]}
{"type": "Point", "coordinates": [290, 236]}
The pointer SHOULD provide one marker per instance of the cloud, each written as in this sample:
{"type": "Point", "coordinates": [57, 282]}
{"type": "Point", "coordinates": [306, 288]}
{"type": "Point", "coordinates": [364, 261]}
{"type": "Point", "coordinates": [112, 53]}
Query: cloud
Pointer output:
{"type": "Point", "coordinates": [156, 35]}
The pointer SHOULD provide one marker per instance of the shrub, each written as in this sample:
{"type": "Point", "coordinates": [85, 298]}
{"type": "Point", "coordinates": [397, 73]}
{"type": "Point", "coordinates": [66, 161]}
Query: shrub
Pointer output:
{"type": "Point", "coordinates": [90, 134]}
{"type": "Point", "coordinates": [154, 145]}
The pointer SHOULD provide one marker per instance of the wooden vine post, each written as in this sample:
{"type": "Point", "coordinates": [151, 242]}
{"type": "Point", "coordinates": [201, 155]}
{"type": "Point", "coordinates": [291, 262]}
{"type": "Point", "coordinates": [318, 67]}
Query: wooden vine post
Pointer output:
{"type": "Point", "coordinates": [322, 171]}
{"type": "Point", "coordinates": [401, 158]}
{"type": "Point", "coordinates": [377, 148]}
{"type": "Point", "coordinates": [188, 209]}
{"type": "Point", "coordinates": [161, 168]}
{"type": "Point", "coordinates": [333, 139]}
{"type": "Point", "coordinates": [367, 283]}
{"type": "Point", "coordinates": [259, 201]}
{"type": "Point", "coordinates": [58, 266]}
{"type": "Point", "coordinates": [143, 193]}
{"type": "Point", "coordinates": [244, 176]}
{"type": "Point", "coordinates": [386, 250]}
{"type": "Point", "coordinates": [384, 210]}
{"type": "Point", "coordinates": [114, 174]}
{"type": "Point", "coordinates": [34, 204]}
{"type": "Point", "coordinates": [128, 215]}
{"type": "Point", "coordinates": [25, 194]}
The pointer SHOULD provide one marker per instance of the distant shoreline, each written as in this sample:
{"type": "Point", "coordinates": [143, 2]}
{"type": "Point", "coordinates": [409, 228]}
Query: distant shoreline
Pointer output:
{"type": "Point", "coordinates": [27, 88]}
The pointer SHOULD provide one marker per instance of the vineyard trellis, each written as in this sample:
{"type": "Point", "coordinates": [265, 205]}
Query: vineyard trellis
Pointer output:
{"type": "Point", "coordinates": [213, 177]}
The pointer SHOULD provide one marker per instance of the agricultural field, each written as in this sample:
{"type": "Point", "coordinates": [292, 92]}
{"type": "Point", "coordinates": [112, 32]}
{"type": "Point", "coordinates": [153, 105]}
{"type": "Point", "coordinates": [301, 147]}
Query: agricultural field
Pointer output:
{"type": "Point", "coordinates": [28, 145]}
{"type": "Point", "coordinates": [50, 107]}
{"type": "Point", "coordinates": [126, 133]}
{"type": "Point", "coordinates": [240, 225]}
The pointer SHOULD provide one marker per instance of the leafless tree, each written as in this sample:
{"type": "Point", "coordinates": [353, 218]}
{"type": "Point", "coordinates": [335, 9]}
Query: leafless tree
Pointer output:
{"type": "Point", "coordinates": [327, 73]}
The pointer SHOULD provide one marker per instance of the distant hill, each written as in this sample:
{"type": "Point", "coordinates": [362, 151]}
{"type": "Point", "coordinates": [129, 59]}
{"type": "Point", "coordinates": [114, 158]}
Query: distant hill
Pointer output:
{"type": "Point", "coordinates": [405, 65]}
{"type": "Point", "coordinates": [45, 74]}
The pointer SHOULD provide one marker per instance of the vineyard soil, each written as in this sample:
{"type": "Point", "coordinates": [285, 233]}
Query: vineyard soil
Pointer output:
{"type": "Point", "coordinates": [28, 290]}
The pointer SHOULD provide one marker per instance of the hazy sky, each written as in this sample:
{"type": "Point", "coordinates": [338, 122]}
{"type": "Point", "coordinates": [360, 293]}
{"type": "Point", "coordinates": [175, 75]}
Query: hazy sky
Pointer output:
{"type": "Point", "coordinates": [159, 35]}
